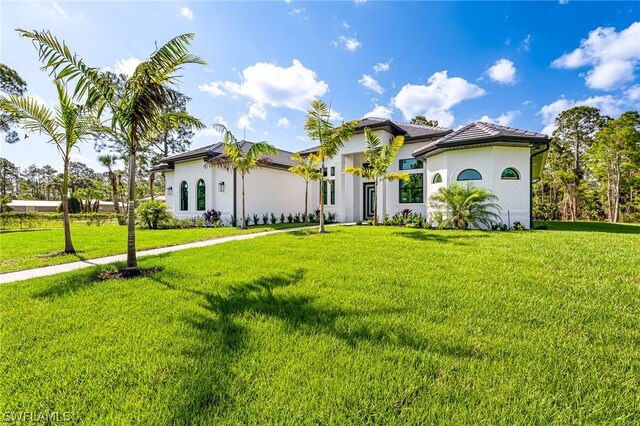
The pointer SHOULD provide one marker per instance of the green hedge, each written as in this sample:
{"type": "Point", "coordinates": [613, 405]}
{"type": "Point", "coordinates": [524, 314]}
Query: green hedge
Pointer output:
{"type": "Point", "coordinates": [27, 220]}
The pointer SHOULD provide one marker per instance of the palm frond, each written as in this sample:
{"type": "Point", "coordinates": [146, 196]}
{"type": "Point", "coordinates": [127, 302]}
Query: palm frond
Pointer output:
{"type": "Point", "coordinates": [33, 116]}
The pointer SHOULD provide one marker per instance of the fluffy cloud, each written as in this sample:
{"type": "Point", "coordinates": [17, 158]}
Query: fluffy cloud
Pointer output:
{"type": "Point", "coordinates": [612, 56]}
{"type": "Point", "coordinates": [633, 93]}
{"type": "Point", "coordinates": [504, 120]}
{"type": "Point", "coordinates": [380, 111]}
{"type": "Point", "coordinates": [526, 43]}
{"type": "Point", "coordinates": [351, 44]}
{"type": "Point", "coordinates": [257, 110]}
{"type": "Point", "coordinates": [382, 67]}
{"type": "Point", "coordinates": [370, 83]}
{"type": "Point", "coordinates": [284, 122]}
{"type": "Point", "coordinates": [126, 66]}
{"type": "Point", "coordinates": [268, 84]}
{"type": "Point", "coordinates": [435, 99]}
{"type": "Point", "coordinates": [244, 123]}
{"type": "Point", "coordinates": [503, 72]}
{"type": "Point", "coordinates": [185, 12]}
{"type": "Point", "coordinates": [608, 105]}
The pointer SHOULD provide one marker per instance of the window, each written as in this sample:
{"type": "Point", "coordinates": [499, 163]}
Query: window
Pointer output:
{"type": "Point", "coordinates": [184, 196]}
{"type": "Point", "coordinates": [469, 174]}
{"type": "Point", "coordinates": [410, 164]}
{"type": "Point", "coordinates": [436, 178]}
{"type": "Point", "coordinates": [510, 174]}
{"type": "Point", "coordinates": [333, 170]}
{"type": "Point", "coordinates": [412, 191]}
{"type": "Point", "coordinates": [333, 192]}
{"type": "Point", "coordinates": [324, 171]}
{"type": "Point", "coordinates": [201, 197]}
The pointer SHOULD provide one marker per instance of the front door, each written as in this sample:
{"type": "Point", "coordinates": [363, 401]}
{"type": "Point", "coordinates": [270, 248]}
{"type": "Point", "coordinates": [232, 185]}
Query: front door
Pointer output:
{"type": "Point", "coordinates": [368, 189]}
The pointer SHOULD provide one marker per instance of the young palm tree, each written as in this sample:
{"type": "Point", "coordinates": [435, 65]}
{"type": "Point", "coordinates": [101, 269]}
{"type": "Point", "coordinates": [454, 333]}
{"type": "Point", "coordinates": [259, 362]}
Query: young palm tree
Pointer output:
{"type": "Point", "coordinates": [109, 161]}
{"type": "Point", "coordinates": [464, 205]}
{"type": "Point", "coordinates": [67, 126]}
{"type": "Point", "coordinates": [307, 170]}
{"type": "Point", "coordinates": [237, 159]}
{"type": "Point", "coordinates": [134, 109]}
{"type": "Point", "coordinates": [330, 138]}
{"type": "Point", "coordinates": [380, 157]}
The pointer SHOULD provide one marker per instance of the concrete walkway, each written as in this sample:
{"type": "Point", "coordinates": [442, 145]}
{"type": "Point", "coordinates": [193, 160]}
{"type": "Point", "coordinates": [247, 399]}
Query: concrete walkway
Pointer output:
{"type": "Point", "coordinates": [46, 271]}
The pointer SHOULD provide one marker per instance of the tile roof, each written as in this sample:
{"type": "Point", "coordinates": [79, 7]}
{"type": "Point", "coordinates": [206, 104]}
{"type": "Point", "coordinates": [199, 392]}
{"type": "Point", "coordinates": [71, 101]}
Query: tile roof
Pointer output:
{"type": "Point", "coordinates": [408, 130]}
{"type": "Point", "coordinates": [480, 132]}
{"type": "Point", "coordinates": [283, 158]}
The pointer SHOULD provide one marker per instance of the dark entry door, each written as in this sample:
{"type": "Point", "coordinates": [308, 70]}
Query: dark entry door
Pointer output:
{"type": "Point", "coordinates": [368, 190]}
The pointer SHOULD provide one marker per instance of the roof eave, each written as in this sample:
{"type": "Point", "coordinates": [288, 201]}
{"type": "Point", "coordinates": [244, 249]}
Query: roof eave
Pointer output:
{"type": "Point", "coordinates": [434, 149]}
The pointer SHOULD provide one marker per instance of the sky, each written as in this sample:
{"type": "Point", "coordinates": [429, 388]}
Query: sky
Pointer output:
{"type": "Point", "coordinates": [513, 63]}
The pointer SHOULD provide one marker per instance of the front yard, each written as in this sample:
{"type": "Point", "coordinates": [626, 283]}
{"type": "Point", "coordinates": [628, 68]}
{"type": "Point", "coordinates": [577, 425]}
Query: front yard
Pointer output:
{"type": "Point", "coordinates": [361, 325]}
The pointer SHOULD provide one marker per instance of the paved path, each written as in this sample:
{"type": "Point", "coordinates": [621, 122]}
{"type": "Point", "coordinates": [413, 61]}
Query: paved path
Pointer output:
{"type": "Point", "coordinates": [45, 271]}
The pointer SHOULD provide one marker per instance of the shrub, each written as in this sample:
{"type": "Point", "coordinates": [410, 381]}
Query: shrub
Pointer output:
{"type": "Point", "coordinates": [74, 206]}
{"type": "Point", "coordinates": [499, 227]}
{"type": "Point", "coordinates": [233, 220]}
{"type": "Point", "coordinates": [154, 214]}
{"type": "Point", "coordinates": [465, 205]}
{"type": "Point", "coordinates": [256, 219]}
{"type": "Point", "coordinates": [331, 217]}
{"type": "Point", "coordinates": [274, 219]}
{"type": "Point", "coordinates": [358, 222]}
{"type": "Point", "coordinates": [211, 217]}
{"type": "Point", "coordinates": [289, 218]}
{"type": "Point", "coordinates": [282, 218]}
{"type": "Point", "coordinates": [297, 218]}
{"type": "Point", "coordinates": [518, 226]}
{"type": "Point", "coordinates": [265, 219]}
{"type": "Point", "coordinates": [540, 226]}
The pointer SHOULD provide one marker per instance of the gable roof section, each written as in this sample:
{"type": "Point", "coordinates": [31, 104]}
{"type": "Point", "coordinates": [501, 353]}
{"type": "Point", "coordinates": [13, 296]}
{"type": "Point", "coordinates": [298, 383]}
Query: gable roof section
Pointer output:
{"type": "Point", "coordinates": [411, 132]}
{"type": "Point", "coordinates": [281, 160]}
{"type": "Point", "coordinates": [479, 133]}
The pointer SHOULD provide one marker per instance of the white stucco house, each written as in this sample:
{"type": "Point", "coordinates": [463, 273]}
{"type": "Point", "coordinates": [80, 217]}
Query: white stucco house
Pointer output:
{"type": "Point", "coordinates": [502, 159]}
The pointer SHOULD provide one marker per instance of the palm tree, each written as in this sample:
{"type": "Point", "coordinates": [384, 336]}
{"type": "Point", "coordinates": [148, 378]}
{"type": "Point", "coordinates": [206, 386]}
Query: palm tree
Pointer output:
{"type": "Point", "coordinates": [237, 159]}
{"type": "Point", "coordinates": [464, 205]}
{"type": "Point", "coordinates": [307, 169]}
{"type": "Point", "coordinates": [330, 138]}
{"type": "Point", "coordinates": [67, 126]}
{"type": "Point", "coordinates": [380, 157]}
{"type": "Point", "coordinates": [134, 109]}
{"type": "Point", "coordinates": [109, 161]}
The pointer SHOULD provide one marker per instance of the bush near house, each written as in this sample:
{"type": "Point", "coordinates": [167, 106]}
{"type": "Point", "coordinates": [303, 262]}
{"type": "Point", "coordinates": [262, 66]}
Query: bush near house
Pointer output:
{"type": "Point", "coordinates": [154, 215]}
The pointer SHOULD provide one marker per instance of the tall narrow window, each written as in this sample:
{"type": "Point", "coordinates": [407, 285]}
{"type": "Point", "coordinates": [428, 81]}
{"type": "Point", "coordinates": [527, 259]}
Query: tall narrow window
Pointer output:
{"type": "Point", "coordinates": [201, 195]}
{"type": "Point", "coordinates": [469, 174]}
{"type": "Point", "coordinates": [333, 170]}
{"type": "Point", "coordinates": [437, 178]}
{"type": "Point", "coordinates": [333, 192]}
{"type": "Point", "coordinates": [412, 191]}
{"type": "Point", "coordinates": [184, 196]}
{"type": "Point", "coordinates": [324, 192]}
{"type": "Point", "coordinates": [510, 174]}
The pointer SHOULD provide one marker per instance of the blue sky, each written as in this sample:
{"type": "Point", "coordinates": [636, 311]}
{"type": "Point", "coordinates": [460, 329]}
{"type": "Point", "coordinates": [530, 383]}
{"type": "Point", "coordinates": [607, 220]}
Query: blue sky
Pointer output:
{"type": "Point", "coordinates": [517, 64]}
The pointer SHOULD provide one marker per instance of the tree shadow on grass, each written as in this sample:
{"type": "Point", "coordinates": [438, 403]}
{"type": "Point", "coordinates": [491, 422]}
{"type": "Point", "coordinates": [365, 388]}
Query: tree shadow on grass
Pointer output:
{"type": "Point", "coordinates": [69, 283]}
{"type": "Point", "coordinates": [610, 228]}
{"type": "Point", "coordinates": [222, 332]}
{"type": "Point", "coordinates": [442, 237]}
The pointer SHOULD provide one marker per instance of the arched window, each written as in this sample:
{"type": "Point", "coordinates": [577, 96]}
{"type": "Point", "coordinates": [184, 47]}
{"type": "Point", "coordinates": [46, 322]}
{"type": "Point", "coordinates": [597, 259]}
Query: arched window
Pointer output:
{"type": "Point", "coordinates": [436, 178]}
{"type": "Point", "coordinates": [469, 174]}
{"type": "Point", "coordinates": [184, 196]}
{"type": "Point", "coordinates": [200, 194]}
{"type": "Point", "coordinates": [510, 174]}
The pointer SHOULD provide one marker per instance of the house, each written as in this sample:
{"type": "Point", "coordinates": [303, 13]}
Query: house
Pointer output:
{"type": "Point", "coordinates": [502, 159]}
{"type": "Point", "coordinates": [192, 186]}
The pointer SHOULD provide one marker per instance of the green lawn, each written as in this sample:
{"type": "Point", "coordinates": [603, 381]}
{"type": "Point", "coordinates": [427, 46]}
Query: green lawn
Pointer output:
{"type": "Point", "coordinates": [24, 249]}
{"type": "Point", "coordinates": [361, 325]}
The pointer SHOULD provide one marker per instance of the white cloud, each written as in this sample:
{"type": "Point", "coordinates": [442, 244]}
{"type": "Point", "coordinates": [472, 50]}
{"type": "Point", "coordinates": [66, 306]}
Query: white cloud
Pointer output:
{"type": "Point", "coordinates": [526, 43]}
{"type": "Point", "coordinates": [345, 25]}
{"type": "Point", "coordinates": [563, 1]}
{"type": "Point", "coordinates": [504, 120]}
{"type": "Point", "coordinates": [257, 110]}
{"type": "Point", "coordinates": [60, 11]}
{"type": "Point", "coordinates": [244, 123]}
{"type": "Point", "coordinates": [208, 132]}
{"type": "Point", "coordinates": [503, 72]}
{"type": "Point", "coordinates": [298, 12]}
{"type": "Point", "coordinates": [613, 56]}
{"type": "Point", "coordinates": [608, 105]}
{"type": "Point", "coordinates": [351, 44]}
{"type": "Point", "coordinates": [284, 122]}
{"type": "Point", "coordinates": [335, 116]}
{"type": "Point", "coordinates": [127, 65]}
{"type": "Point", "coordinates": [436, 99]}
{"type": "Point", "coordinates": [382, 67]}
{"type": "Point", "coordinates": [185, 12]}
{"type": "Point", "coordinates": [370, 83]}
{"type": "Point", "coordinates": [380, 111]}
{"type": "Point", "coordinates": [360, 1]}
{"type": "Point", "coordinates": [268, 84]}
{"type": "Point", "coordinates": [633, 93]}
{"type": "Point", "coordinates": [218, 119]}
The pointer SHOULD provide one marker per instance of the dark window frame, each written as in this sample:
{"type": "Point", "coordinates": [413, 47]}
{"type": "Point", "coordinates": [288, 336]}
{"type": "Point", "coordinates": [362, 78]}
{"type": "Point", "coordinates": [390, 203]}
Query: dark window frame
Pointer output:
{"type": "Point", "coordinates": [464, 179]}
{"type": "Point", "coordinates": [514, 170]}
{"type": "Point", "coordinates": [416, 192]}
{"type": "Point", "coordinates": [418, 163]}
{"type": "Point", "coordinates": [184, 196]}
{"type": "Point", "coordinates": [201, 195]}
{"type": "Point", "coordinates": [436, 176]}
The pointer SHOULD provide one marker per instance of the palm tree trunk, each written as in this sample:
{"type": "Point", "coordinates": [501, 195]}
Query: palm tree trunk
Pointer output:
{"type": "Point", "coordinates": [152, 181]}
{"type": "Point", "coordinates": [321, 230]}
{"type": "Point", "coordinates": [114, 192]}
{"type": "Point", "coordinates": [244, 218]}
{"type": "Point", "coordinates": [306, 200]}
{"type": "Point", "coordinates": [68, 245]}
{"type": "Point", "coordinates": [132, 261]}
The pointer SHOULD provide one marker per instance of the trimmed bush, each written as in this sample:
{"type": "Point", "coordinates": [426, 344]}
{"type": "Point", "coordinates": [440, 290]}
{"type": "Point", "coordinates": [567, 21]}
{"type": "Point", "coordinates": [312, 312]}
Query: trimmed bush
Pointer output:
{"type": "Point", "coordinates": [154, 214]}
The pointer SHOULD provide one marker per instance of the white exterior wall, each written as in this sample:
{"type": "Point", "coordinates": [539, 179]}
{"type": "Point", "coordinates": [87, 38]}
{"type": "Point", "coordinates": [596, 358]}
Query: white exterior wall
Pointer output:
{"type": "Point", "coordinates": [269, 190]}
{"type": "Point", "coordinates": [513, 195]}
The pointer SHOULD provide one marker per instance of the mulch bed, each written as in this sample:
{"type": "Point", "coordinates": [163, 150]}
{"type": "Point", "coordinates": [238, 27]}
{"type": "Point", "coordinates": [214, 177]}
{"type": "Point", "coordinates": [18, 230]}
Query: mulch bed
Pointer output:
{"type": "Point", "coordinates": [111, 274]}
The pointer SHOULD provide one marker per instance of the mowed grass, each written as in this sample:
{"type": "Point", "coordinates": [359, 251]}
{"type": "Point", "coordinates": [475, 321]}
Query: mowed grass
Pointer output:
{"type": "Point", "coordinates": [362, 325]}
{"type": "Point", "coordinates": [24, 249]}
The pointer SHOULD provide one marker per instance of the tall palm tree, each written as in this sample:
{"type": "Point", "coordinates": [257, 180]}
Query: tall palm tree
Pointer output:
{"type": "Point", "coordinates": [239, 160]}
{"type": "Point", "coordinates": [109, 161]}
{"type": "Point", "coordinates": [330, 138]}
{"type": "Point", "coordinates": [68, 125]}
{"type": "Point", "coordinates": [307, 169]}
{"type": "Point", "coordinates": [134, 109]}
{"type": "Point", "coordinates": [464, 205]}
{"type": "Point", "coordinates": [380, 157]}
